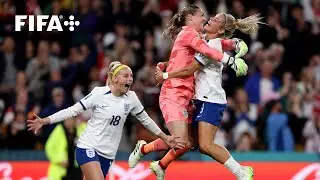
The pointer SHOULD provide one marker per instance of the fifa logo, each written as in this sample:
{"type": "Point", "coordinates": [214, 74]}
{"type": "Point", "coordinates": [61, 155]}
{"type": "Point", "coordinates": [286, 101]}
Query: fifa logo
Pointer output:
{"type": "Point", "coordinates": [50, 22]}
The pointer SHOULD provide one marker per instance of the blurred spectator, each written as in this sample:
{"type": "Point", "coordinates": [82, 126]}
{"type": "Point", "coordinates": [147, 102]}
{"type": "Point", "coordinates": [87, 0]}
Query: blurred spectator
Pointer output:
{"type": "Point", "coordinates": [39, 68]}
{"type": "Point", "coordinates": [199, 3]}
{"type": "Point", "coordinates": [8, 68]}
{"type": "Point", "coordinates": [124, 53]}
{"type": "Point", "coordinates": [245, 116]}
{"type": "Point", "coordinates": [84, 33]}
{"type": "Point", "coordinates": [60, 150]}
{"type": "Point", "coordinates": [146, 82]}
{"type": "Point", "coordinates": [245, 142]}
{"type": "Point", "coordinates": [238, 9]}
{"type": "Point", "coordinates": [58, 103]}
{"type": "Point", "coordinates": [262, 86]}
{"type": "Point", "coordinates": [311, 133]}
{"type": "Point", "coordinates": [279, 134]}
{"type": "Point", "coordinates": [275, 31]}
{"type": "Point", "coordinates": [32, 7]}
{"type": "Point", "coordinates": [30, 51]}
{"type": "Point", "coordinates": [17, 134]}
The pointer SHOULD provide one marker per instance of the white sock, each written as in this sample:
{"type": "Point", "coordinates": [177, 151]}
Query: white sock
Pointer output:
{"type": "Point", "coordinates": [234, 167]}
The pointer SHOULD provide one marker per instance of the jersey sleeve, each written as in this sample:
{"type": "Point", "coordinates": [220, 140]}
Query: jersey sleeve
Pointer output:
{"type": "Point", "coordinates": [193, 40]}
{"type": "Point", "coordinates": [202, 59]}
{"type": "Point", "coordinates": [88, 101]}
{"type": "Point", "coordinates": [64, 114]}
{"type": "Point", "coordinates": [137, 106]}
{"type": "Point", "coordinates": [228, 44]}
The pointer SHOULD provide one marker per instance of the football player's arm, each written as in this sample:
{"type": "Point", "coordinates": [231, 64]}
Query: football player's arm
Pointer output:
{"type": "Point", "coordinates": [236, 44]}
{"type": "Point", "coordinates": [228, 44]}
{"type": "Point", "coordinates": [84, 104]}
{"type": "Point", "coordinates": [148, 123]}
{"type": "Point", "coordinates": [186, 71]}
{"type": "Point", "coordinates": [193, 40]}
{"type": "Point", "coordinates": [64, 114]}
{"type": "Point", "coordinates": [139, 112]}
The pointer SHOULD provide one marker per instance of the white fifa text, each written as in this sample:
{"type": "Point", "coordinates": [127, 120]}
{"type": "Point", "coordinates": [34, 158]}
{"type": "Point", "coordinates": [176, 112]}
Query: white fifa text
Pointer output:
{"type": "Point", "coordinates": [44, 22]}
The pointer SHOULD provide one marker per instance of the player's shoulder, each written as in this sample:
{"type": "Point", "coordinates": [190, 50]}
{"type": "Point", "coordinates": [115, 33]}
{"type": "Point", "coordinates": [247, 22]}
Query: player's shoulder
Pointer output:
{"type": "Point", "coordinates": [100, 90]}
{"type": "Point", "coordinates": [215, 43]}
{"type": "Point", "coordinates": [131, 94]}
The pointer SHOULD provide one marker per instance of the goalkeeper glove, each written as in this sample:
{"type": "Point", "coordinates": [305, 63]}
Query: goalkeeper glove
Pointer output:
{"type": "Point", "coordinates": [237, 64]}
{"type": "Point", "coordinates": [241, 48]}
{"type": "Point", "coordinates": [240, 67]}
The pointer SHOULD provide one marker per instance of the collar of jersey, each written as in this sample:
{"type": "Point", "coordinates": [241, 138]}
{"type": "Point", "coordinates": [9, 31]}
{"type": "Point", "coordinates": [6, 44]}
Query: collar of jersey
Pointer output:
{"type": "Point", "coordinates": [109, 92]}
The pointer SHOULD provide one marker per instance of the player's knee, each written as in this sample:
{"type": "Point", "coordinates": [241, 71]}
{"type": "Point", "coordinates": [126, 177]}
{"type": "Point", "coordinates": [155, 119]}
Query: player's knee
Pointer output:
{"type": "Point", "coordinates": [204, 147]}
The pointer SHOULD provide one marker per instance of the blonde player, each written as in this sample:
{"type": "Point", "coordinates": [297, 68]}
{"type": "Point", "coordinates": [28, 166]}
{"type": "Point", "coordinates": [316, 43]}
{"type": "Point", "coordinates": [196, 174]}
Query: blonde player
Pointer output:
{"type": "Point", "coordinates": [176, 93]}
{"type": "Point", "coordinates": [210, 97]}
{"type": "Point", "coordinates": [110, 104]}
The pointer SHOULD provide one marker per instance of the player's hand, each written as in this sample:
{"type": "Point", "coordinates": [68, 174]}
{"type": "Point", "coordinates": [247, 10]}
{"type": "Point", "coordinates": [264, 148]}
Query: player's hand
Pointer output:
{"type": "Point", "coordinates": [159, 77]}
{"type": "Point", "coordinates": [240, 67]}
{"type": "Point", "coordinates": [175, 142]}
{"type": "Point", "coordinates": [241, 48]}
{"type": "Point", "coordinates": [35, 125]}
{"type": "Point", "coordinates": [161, 66]}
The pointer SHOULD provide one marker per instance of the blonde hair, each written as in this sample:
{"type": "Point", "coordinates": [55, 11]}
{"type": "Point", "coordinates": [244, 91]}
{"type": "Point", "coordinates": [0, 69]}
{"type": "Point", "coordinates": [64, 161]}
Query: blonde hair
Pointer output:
{"type": "Point", "coordinates": [111, 71]}
{"type": "Point", "coordinates": [248, 25]}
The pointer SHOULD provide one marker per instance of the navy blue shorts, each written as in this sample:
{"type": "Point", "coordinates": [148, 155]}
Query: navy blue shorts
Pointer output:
{"type": "Point", "coordinates": [87, 155]}
{"type": "Point", "coordinates": [208, 112]}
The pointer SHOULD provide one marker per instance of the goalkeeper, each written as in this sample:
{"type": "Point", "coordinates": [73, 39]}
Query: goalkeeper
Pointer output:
{"type": "Point", "coordinates": [210, 97]}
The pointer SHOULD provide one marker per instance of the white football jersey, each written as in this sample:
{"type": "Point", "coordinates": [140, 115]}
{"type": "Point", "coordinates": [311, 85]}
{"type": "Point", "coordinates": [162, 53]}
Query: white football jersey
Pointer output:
{"type": "Point", "coordinates": [209, 78]}
{"type": "Point", "coordinates": [109, 113]}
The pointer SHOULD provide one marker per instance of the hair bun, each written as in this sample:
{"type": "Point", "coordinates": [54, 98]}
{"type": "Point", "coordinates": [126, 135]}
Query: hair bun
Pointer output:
{"type": "Point", "coordinates": [114, 65]}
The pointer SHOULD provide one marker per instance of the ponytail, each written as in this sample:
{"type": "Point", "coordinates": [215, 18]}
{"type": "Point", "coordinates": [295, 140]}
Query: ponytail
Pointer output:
{"type": "Point", "coordinates": [248, 25]}
{"type": "Point", "coordinates": [175, 24]}
{"type": "Point", "coordinates": [174, 27]}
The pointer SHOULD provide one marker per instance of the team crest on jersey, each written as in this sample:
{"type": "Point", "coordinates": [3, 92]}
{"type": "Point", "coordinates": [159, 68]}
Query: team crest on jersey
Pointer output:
{"type": "Point", "coordinates": [185, 113]}
{"type": "Point", "coordinates": [126, 108]}
{"type": "Point", "coordinates": [90, 153]}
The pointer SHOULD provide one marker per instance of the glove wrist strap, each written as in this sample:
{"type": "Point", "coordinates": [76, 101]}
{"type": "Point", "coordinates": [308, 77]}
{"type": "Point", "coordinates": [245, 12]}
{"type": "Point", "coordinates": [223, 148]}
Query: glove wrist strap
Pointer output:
{"type": "Point", "coordinates": [165, 75]}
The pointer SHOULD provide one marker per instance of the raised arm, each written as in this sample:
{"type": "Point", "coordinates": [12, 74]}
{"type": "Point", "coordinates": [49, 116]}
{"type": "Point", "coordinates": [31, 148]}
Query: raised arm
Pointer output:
{"type": "Point", "coordinates": [193, 40]}
{"type": "Point", "coordinates": [64, 114]}
{"type": "Point", "coordinates": [84, 104]}
{"type": "Point", "coordinates": [238, 45]}
{"type": "Point", "coordinates": [228, 44]}
{"type": "Point", "coordinates": [35, 125]}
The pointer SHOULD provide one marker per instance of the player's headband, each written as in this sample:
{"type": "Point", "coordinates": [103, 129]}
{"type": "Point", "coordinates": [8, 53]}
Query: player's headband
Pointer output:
{"type": "Point", "coordinates": [115, 72]}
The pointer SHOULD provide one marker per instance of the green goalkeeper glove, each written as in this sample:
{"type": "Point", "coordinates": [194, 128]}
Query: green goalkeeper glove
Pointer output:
{"type": "Point", "coordinates": [241, 48]}
{"type": "Point", "coordinates": [240, 67]}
